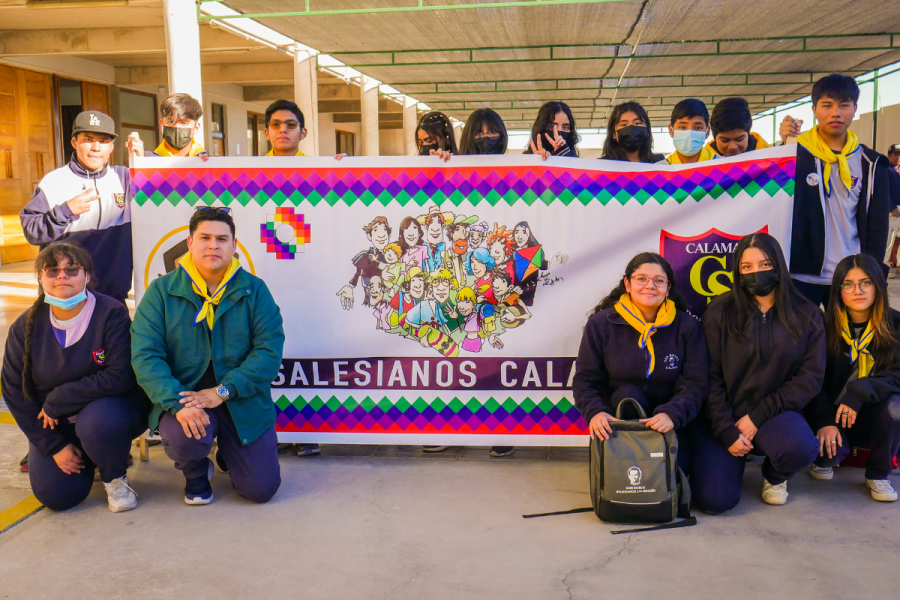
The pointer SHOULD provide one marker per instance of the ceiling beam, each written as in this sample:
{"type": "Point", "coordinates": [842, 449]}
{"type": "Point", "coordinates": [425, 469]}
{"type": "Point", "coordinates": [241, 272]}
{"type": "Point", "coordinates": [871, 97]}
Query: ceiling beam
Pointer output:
{"type": "Point", "coordinates": [326, 91]}
{"type": "Point", "coordinates": [109, 40]}
{"type": "Point", "coordinates": [239, 73]}
{"type": "Point", "coordinates": [357, 118]}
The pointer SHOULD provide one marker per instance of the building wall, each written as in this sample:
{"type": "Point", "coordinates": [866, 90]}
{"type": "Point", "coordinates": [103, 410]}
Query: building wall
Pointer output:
{"type": "Point", "coordinates": [390, 142]}
{"type": "Point", "coordinates": [327, 128]}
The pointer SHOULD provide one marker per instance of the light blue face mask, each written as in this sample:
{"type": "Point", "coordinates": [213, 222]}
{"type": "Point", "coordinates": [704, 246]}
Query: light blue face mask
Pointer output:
{"type": "Point", "coordinates": [688, 141]}
{"type": "Point", "coordinates": [66, 303]}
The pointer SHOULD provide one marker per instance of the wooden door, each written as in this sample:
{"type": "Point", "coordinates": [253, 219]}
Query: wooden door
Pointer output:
{"type": "Point", "coordinates": [27, 152]}
{"type": "Point", "coordinates": [94, 97]}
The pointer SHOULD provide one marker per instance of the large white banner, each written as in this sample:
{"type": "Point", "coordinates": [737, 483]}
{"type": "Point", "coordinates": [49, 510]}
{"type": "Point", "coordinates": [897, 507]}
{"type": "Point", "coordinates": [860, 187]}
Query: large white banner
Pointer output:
{"type": "Point", "coordinates": [443, 303]}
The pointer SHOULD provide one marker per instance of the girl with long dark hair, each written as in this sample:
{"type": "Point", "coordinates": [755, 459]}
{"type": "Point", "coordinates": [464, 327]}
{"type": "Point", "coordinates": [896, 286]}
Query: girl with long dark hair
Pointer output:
{"type": "Point", "coordinates": [766, 363]}
{"type": "Point", "coordinates": [628, 135]}
{"type": "Point", "coordinates": [553, 132]}
{"type": "Point", "coordinates": [640, 342]}
{"type": "Point", "coordinates": [68, 382]}
{"type": "Point", "coordinates": [860, 402]}
{"type": "Point", "coordinates": [434, 136]}
{"type": "Point", "coordinates": [484, 133]}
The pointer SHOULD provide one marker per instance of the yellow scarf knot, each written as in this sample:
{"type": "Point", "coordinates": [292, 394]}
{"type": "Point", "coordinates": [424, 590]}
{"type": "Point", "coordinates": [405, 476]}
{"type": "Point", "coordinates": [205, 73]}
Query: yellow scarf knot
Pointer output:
{"type": "Point", "coordinates": [858, 346]}
{"type": "Point", "coordinates": [207, 310]}
{"type": "Point", "coordinates": [812, 141]}
{"type": "Point", "coordinates": [633, 316]}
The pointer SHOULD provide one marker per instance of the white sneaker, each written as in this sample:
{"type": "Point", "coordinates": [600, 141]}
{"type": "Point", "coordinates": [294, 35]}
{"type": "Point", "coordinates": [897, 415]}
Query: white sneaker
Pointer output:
{"type": "Point", "coordinates": [120, 495]}
{"type": "Point", "coordinates": [820, 472]}
{"type": "Point", "coordinates": [881, 490]}
{"type": "Point", "coordinates": [774, 494]}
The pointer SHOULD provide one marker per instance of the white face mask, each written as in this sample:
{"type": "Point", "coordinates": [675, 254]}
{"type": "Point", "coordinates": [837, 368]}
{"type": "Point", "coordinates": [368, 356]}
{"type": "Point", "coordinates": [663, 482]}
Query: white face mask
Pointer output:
{"type": "Point", "coordinates": [688, 141]}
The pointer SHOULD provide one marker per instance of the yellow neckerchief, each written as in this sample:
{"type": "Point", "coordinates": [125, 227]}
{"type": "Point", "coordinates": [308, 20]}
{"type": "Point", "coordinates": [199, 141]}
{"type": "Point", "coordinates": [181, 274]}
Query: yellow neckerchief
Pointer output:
{"type": "Point", "coordinates": [272, 153]}
{"type": "Point", "coordinates": [859, 346]}
{"type": "Point", "coordinates": [760, 144]}
{"type": "Point", "coordinates": [165, 149]}
{"type": "Point", "coordinates": [206, 311]}
{"type": "Point", "coordinates": [706, 153]}
{"type": "Point", "coordinates": [812, 141]}
{"type": "Point", "coordinates": [632, 315]}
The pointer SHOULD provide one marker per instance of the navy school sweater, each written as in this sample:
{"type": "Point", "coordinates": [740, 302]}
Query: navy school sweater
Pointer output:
{"type": "Point", "coordinates": [67, 379]}
{"type": "Point", "coordinates": [764, 372]}
{"type": "Point", "coordinates": [104, 231]}
{"type": "Point", "coordinates": [609, 357]}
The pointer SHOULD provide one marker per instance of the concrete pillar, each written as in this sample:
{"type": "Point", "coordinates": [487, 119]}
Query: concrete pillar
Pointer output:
{"type": "Point", "coordinates": [410, 120]}
{"type": "Point", "coordinates": [183, 50]}
{"type": "Point", "coordinates": [368, 94]}
{"type": "Point", "coordinates": [306, 95]}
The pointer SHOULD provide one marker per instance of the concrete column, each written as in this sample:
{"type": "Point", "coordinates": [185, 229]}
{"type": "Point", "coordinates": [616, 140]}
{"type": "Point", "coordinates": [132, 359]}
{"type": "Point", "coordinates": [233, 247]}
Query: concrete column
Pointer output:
{"type": "Point", "coordinates": [368, 94]}
{"type": "Point", "coordinates": [410, 120]}
{"type": "Point", "coordinates": [183, 50]}
{"type": "Point", "coordinates": [306, 95]}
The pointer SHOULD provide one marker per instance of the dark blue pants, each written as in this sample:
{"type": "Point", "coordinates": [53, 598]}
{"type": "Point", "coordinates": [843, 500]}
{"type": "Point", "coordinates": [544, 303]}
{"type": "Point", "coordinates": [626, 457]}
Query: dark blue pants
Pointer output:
{"type": "Point", "coordinates": [254, 469]}
{"type": "Point", "coordinates": [786, 441]}
{"type": "Point", "coordinates": [628, 412]}
{"type": "Point", "coordinates": [877, 425]}
{"type": "Point", "coordinates": [814, 292]}
{"type": "Point", "coordinates": [103, 430]}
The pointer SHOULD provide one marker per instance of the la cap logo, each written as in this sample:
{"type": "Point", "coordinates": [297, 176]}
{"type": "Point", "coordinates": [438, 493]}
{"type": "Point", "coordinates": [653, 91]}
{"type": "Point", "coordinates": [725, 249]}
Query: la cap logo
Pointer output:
{"type": "Point", "coordinates": [94, 119]}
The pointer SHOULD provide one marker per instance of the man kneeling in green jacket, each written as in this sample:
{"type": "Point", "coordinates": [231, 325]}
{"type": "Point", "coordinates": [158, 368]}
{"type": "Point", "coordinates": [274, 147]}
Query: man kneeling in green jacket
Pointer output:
{"type": "Point", "coordinates": [208, 373]}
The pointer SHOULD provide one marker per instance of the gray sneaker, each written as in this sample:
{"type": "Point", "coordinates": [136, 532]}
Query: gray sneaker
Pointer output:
{"type": "Point", "coordinates": [774, 494]}
{"type": "Point", "coordinates": [882, 490]}
{"type": "Point", "coordinates": [817, 472]}
{"type": "Point", "coordinates": [120, 495]}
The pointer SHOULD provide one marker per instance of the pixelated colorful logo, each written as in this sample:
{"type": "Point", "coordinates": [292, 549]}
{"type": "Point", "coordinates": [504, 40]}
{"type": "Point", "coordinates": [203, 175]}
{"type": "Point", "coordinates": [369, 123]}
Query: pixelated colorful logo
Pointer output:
{"type": "Point", "coordinates": [702, 264]}
{"type": "Point", "coordinates": [285, 233]}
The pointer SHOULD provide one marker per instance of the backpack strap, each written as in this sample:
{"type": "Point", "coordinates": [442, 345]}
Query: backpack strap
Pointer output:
{"type": "Point", "coordinates": [637, 406]}
{"type": "Point", "coordinates": [560, 512]}
{"type": "Point", "coordinates": [673, 525]}
{"type": "Point", "coordinates": [683, 488]}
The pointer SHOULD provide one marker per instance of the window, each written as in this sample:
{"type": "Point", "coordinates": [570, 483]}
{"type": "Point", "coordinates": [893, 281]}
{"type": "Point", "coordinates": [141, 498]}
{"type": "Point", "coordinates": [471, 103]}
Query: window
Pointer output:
{"type": "Point", "coordinates": [139, 114]}
{"type": "Point", "coordinates": [345, 142]}
{"type": "Point", "coordinates": [217, 131]}
{"type": "Point", "coordinates": [256, 134]}
{"type": "Point", "coordinates": [69, 93]}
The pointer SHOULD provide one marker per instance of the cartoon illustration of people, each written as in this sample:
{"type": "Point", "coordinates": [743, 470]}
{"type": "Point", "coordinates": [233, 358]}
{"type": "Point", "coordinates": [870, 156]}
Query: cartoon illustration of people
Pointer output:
{"type": "Point", "coordinates": [378, 233]}
{"type": "Point", "coordinates": [412, 243]}
{"type": "Point", "coordinates": [455, 255]}
{"type": "Point", "coordinates": [529, 260]}
{"type": "Point", "coordinates": [435, 245]}
{"type": "Point", "coordinates": [449, 282]}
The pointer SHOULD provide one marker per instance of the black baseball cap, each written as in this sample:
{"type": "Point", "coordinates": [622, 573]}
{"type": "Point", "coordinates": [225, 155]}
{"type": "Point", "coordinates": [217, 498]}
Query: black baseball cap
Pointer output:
{"type": "Point", "coordinates": [94, 121]}
{"type": "Point", "coordinates": [894, 149]}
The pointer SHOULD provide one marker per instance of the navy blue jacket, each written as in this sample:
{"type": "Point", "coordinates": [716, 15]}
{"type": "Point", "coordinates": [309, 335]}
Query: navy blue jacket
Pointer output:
{"type": "Point", "coordinates": [879, 386]}
{"type": "Point", "coordinates": [872, 210]}
{"type": "Point", "coordinates": [609, 357]}
{"type": "Point", "coordinates": [764, 372]}
{"type": "Point", "coordinates": [104, 231]}
{"type": "Point", "coordinates": [67, 379]}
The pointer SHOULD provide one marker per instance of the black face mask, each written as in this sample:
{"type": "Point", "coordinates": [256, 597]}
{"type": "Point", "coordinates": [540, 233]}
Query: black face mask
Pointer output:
{"type": "Point", "coordinates": [177, 137]}
{"type": "Point", "coordinates": [633, 137]}
{"type": "Point", "coordinates": [427, 148]}
{"type": "Point", "coordinates": [760, 283]}
{"type": "Point", "coordinates": [488, 145]}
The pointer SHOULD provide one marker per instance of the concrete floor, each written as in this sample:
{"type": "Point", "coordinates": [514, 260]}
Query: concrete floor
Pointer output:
{"type": "Point", "coordinates": [388, 522]}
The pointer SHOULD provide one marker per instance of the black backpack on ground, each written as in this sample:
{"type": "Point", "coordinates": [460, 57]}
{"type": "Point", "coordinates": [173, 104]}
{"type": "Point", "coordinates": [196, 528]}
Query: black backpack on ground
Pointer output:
{"type": "Point", "coordinates": [635, 478]}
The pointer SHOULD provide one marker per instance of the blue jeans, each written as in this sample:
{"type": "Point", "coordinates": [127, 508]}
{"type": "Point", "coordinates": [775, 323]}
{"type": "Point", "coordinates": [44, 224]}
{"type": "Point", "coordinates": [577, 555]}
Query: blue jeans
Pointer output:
{"type": "Point", "coordinates": [254, 469]}
{"type": "Point", "coordinates": [103, 430]}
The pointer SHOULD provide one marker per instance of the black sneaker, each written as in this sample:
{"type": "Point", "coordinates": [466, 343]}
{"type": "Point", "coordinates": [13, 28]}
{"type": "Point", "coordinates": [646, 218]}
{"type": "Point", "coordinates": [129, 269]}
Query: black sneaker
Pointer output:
{"type": "Point", "coordinates": [23, 464]}
{"type": "Point", "coordinates": [219, 460]}
{"type": "Point", "coordinates": [501, 450]}
{"type": "Point", "coordinates": [308, 449]}
{"type": "Point", "coordinates": [198, 490]}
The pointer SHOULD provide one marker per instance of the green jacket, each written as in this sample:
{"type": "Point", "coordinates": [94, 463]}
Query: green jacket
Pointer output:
{"type": "Point", "coordinates": [170, 354]}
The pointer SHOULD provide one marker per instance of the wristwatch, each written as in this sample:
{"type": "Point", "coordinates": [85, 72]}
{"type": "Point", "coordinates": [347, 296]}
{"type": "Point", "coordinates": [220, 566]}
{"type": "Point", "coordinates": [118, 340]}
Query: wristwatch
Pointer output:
{"type": "Point", "coordinates": [222, 391]}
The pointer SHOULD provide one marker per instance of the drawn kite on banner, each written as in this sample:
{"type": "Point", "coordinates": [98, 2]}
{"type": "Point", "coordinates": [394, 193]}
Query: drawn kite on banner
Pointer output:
{"type": "Point", "coordinates": [449, 281]}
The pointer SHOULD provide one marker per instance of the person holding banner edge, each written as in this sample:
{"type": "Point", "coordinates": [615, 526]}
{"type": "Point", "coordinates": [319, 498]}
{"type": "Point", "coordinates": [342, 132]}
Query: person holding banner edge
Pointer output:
{"type": "Point", "coordinates": [689, 128]}
{"type": "Point", "coordinates": [860, 403]}
{"type": "Point", "coordinates": [641, 343]}
{"type": "Point", "coordinates": [842, 198]}
{"type": "Point", "coordinates": [766, 363]}
{"type": "Point", "coordinates": [207, 373]}
{"type": "Point", "coordinates": [628, 135]}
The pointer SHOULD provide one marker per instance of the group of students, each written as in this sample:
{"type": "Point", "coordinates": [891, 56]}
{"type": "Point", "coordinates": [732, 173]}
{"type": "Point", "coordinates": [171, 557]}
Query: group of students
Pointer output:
{"type": "Point", "coordinates": [82, 380]}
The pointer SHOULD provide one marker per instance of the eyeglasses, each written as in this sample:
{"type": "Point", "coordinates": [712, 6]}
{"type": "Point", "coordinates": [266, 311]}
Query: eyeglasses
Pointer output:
{"type": "Point", "coordinates": [53, 272]}
{"type": "Point", "coordinates": [864, 286]}
{"type": "Point", "coordinates": [492, 135]}
{"type": "Point", "coordinates": [222, 209]}
{"type": "Point", "coordinates": [659, 282]}
{"type": "Point", "coordinates": [291, 125]}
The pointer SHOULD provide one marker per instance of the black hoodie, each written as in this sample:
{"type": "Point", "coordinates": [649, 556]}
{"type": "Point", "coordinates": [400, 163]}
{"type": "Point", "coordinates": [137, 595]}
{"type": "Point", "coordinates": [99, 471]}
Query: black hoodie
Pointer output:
{"type": "Point", "coordinates": [764, 372]}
